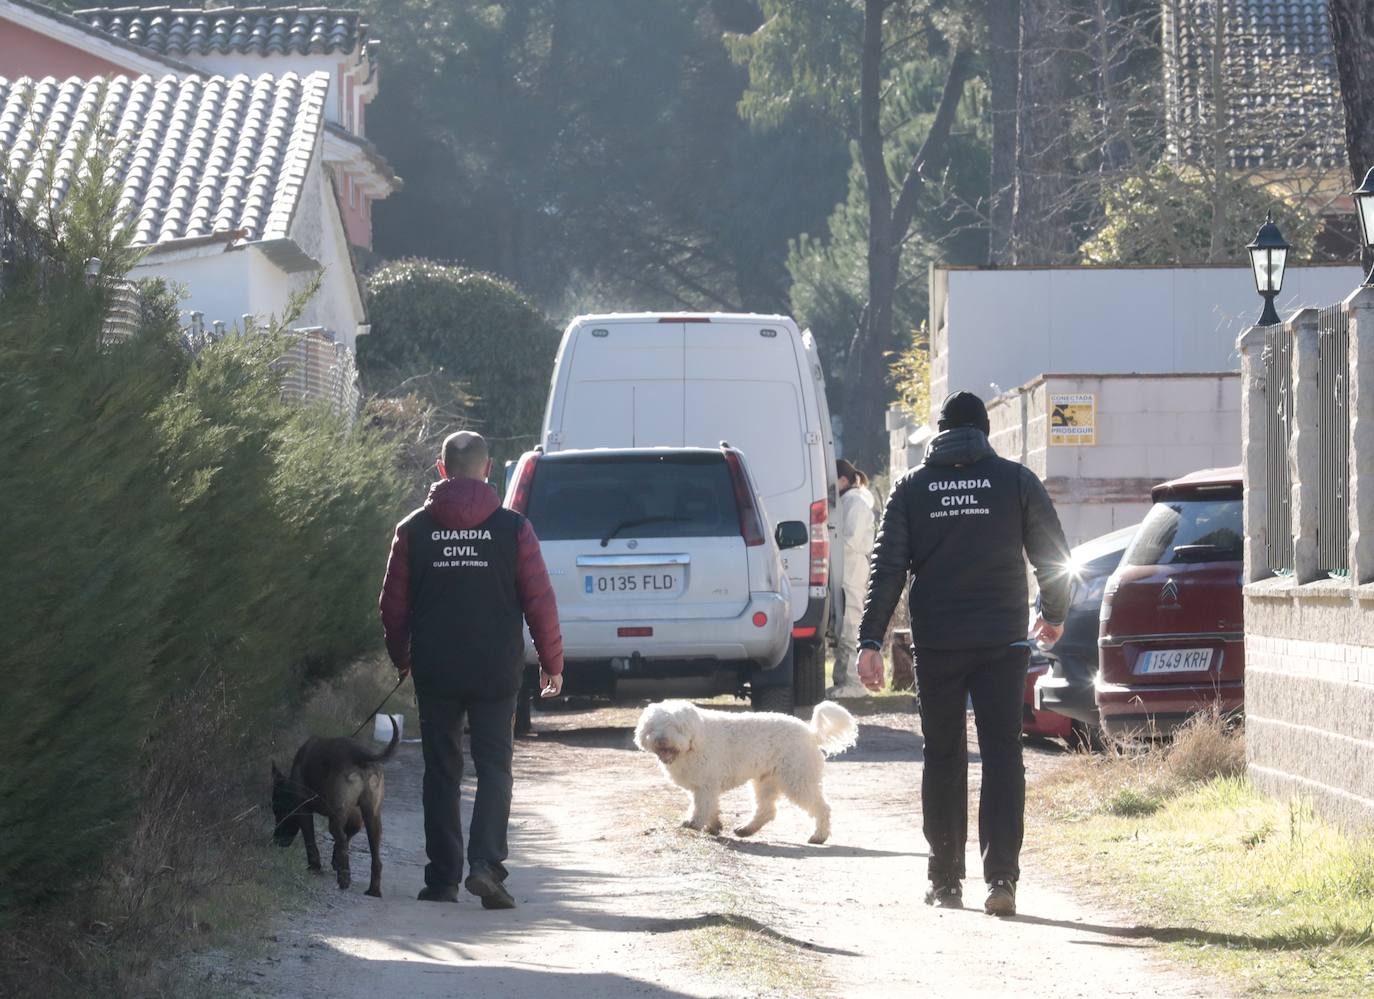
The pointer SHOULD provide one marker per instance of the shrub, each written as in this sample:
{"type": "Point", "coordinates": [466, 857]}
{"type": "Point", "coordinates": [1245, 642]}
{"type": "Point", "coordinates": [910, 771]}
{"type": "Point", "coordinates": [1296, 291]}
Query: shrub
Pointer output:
{"type": "Point", "coordinates": [471, 343]}
{"type": "Point", "coordinates": [164, 520]}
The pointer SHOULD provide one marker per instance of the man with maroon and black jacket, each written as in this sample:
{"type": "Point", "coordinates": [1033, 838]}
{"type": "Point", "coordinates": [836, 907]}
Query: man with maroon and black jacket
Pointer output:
{"type": "Point", "coordinates": [464, 577]}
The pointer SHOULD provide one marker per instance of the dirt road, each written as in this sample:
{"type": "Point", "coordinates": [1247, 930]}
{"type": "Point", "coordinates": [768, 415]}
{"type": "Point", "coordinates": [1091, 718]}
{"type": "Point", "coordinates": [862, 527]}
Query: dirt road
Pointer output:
{"type": "Point", "coordinates": [616, 900]}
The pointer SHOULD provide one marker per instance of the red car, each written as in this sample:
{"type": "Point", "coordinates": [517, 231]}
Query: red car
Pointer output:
{"type": "Point", "coordinates": [1171, 641]}
{"type": "Point", "coordinates": [1036, 721]}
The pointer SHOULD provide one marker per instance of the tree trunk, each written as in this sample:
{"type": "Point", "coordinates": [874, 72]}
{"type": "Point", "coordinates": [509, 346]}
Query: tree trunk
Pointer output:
{"type": "Point", "coordinates": [1040, 219]}
{"type": "Point", "coordinates": [1352, 31]}
{"type": "Point", "coordinates": [863, 392]}
{"type": "Point", "coordinates": [865, 373]}
{"type": "Point", "coordinates": [1220, 153]}
{"type": "Point", "coordinates": [1004, 31]}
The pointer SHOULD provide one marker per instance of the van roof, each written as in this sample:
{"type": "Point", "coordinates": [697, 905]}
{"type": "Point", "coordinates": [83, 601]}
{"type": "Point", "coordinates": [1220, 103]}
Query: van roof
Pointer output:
{"type": "Point", "coordinates": [711, 317]}
{"type": "Point", "coordinates": [1202, 479]}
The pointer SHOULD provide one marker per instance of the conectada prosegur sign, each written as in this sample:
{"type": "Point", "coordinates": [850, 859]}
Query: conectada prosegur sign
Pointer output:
{"type": "Point", "coordinates": [1073, 418]}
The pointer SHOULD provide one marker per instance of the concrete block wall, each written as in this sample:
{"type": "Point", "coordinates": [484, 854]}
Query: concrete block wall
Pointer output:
{"type": "Point", "coordinates": [1309, 639]}
{"type": "Point", "coordinates": [1149, 428]}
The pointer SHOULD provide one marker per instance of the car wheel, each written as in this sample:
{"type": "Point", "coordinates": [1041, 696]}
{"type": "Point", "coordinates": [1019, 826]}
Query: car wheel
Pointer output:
{"type": "Point", "coordinates": [775, 699]}
{"type": "Point", "coordinates": [808, 674]}
{"type": "Point", "coordinates": [524, 703]}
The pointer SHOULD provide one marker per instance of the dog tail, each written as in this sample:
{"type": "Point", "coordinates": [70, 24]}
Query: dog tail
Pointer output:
{"type": "Point", "coordinates": [834, 728]}
{"type": "Point", "coordinates": [362, 757]}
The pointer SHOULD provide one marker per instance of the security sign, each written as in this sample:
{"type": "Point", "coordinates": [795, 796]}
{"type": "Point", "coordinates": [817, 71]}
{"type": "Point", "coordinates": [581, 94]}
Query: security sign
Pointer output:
{"type": "Point", "coordinates": [1073, 418]}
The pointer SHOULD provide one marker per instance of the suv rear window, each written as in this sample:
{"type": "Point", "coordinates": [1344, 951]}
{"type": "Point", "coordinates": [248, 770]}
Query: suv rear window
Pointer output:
{"type": "Point", "coordinates": [1191, 530]}
{"type": "Point", "coordinates": [678, 496]}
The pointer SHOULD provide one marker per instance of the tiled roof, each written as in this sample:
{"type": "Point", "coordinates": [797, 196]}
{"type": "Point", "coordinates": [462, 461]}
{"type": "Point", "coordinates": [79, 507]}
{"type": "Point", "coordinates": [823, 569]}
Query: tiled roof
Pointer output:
{"type": "Point", "coordinates": [264, 31]}
{"type": "Point", "coordinates": [1278, 73]}
{"type": "Point", "coordinates": [194, 157]}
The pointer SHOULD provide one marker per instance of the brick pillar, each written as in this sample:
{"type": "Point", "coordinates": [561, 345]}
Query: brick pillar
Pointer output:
{"type": "Point", "coordinates": [1253, 401]}
{"type": "Point", "coordinates": [1361, 306]}
{"type": "Point", "coordinates": [1304, 454]}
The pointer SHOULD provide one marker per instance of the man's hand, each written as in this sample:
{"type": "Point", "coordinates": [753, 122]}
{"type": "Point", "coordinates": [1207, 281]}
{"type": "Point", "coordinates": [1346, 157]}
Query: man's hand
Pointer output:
{"type": "Point", "coordinates": [550, 686]}
{"type": "Point", "coordinates": [871, 669]}
{"type": "Point", "coordinates": [1045, 633]}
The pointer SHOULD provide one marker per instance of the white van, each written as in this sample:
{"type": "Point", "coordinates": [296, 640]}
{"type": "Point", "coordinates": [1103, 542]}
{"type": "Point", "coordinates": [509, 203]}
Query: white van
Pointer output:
{"type": "Point", "coordinates": [697, 380]}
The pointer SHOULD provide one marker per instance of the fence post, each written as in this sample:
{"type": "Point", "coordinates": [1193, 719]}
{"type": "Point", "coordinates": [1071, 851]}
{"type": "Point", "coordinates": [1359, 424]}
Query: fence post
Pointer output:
{"type": "Point", "coordinates": [1361, 402]}
{"type": "Point", "coordinates": [1250, 345]}
{"type": "Point", "coordinates": [1304, 450]}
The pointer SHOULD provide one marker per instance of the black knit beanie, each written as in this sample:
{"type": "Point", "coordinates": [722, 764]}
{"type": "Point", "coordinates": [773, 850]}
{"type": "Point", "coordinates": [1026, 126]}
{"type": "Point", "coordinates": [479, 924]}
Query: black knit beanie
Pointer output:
{"type": "Point", "coordinates": [964, 409]}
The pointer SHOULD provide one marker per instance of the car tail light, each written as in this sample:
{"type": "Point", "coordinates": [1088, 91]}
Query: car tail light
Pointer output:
{"type": "Point", "coordinates": [750, 524]}
{"type": "Point", "coordinates": [803, 632]}
{"type": "Point", "coordinates": [820, 545]}
{"type": "Point", "coordinates": [635, 632]}
{"type": "Point", "coordinates": [520, 500]}
{"type": "Point", "coordinates": [760, 619]}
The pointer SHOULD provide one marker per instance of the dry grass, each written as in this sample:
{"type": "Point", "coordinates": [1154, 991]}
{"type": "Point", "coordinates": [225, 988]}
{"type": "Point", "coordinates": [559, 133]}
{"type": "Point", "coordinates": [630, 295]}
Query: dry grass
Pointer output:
{"type": "Point", "coordinates": [196, 869]}
{"type": "Point", "coordinates": [1137, 779]}
{"type": "Point", "coordinates": [1261, 894]}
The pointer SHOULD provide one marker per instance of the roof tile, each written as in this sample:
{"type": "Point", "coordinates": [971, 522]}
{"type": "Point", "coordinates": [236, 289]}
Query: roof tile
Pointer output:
{"type": "Point", "coordinates": [264, 31]}
{"type": "Point", "coordinates": [1278, 71]}
{"type": "Point", "coordinates": [193, 157]}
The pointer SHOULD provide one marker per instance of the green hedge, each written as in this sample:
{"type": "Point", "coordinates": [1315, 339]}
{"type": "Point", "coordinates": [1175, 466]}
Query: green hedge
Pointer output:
{"type": "Point", "coordinates": [161, 516]}
{"type": "Point", "coordinates": [451, 333]}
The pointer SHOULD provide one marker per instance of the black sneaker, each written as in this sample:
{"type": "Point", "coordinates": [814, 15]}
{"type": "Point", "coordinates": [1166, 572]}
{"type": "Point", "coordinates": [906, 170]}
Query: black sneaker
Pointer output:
{"type": "Point", "coordinates": [431, 894]}
{"type": "Point", "coordinates": [945, 894]}
{"type": "Point", "coordinates": [1001, 900]}
{"type": "Point", "coordinates": [491, 891]}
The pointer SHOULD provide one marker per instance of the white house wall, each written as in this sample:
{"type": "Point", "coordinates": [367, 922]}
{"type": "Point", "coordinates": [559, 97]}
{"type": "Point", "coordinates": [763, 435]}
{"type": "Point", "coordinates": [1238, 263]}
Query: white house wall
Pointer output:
{"type": "Point", "coordinates": [318, 230]}
{"type": "Point", "coordinates": [1005, 327]}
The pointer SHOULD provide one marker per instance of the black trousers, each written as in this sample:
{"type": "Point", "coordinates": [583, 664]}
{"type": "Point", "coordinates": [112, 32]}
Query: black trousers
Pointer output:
{"type": "Point", "coordinates": [492, 739]}
{"type": "Point", "coordinates": [995, 680]}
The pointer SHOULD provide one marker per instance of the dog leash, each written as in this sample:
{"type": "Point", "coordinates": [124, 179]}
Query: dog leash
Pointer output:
{"type": "Point", "coordinates": [378, 708]}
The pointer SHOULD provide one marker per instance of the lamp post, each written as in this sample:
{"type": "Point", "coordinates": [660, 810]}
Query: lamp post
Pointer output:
{"type": "Point", "coordinates": [1364, 208]}
{"type": "Point", "coordinates": [1268, 258]}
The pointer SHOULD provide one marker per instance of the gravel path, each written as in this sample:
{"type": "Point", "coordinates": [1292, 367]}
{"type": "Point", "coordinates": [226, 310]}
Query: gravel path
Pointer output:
{"type": "Point", "coordinates": [616, 900]}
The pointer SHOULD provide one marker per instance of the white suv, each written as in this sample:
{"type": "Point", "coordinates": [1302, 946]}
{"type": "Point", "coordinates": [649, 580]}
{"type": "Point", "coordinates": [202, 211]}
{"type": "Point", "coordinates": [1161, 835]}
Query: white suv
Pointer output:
{"type": "Point", "coordinates": [668, 580]}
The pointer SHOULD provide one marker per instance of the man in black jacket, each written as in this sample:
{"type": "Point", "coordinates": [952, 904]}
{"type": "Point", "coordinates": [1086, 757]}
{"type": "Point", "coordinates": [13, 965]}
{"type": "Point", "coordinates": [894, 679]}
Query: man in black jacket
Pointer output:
{"type": "Point", "coordinates": [958, 524]}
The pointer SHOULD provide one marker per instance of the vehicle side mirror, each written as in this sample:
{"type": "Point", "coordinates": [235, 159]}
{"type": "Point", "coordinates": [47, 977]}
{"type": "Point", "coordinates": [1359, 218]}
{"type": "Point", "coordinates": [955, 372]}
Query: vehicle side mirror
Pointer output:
{"type": "Point", "coordinates": [792, 534]}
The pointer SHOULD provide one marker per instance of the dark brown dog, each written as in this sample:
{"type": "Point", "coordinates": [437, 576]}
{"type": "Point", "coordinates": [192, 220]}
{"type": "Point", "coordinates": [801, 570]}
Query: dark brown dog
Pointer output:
{"type": "Point", "coordinates": [342, 781]}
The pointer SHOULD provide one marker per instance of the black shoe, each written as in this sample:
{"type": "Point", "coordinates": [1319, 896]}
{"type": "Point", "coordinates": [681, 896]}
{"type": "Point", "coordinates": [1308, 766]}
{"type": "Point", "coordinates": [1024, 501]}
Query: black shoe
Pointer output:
{"type": "Point", "coordinates": [945, 894]}
{"type": "Point", "coordinates": [1001, 900]}
{"type": "Point", "coordinates": [490, 890]}
{"type": "Point", "coordinates": [431, 894]}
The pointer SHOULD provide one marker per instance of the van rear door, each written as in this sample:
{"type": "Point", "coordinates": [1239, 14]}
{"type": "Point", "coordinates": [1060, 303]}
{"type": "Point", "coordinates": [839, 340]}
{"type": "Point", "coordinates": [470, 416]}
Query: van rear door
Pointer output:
{"type": "Point", "coordinates": [638, 537]}
{"type": "Point", "coordinates": [743, 386]}
{"type": "Point", "coordinates": [624, 387]}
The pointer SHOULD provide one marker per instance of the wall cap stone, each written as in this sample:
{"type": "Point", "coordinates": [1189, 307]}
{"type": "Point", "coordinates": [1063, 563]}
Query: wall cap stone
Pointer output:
{"type": "Point", "coordinates": [1252, 338]}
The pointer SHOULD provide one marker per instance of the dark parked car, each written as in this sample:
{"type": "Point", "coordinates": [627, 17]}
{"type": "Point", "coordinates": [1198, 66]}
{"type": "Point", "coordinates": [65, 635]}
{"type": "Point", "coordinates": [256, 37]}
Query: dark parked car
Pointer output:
{"type": "Point", "coordinates": [1060, 697]}
{"type": "Point", "coordinates": [1172, 639]}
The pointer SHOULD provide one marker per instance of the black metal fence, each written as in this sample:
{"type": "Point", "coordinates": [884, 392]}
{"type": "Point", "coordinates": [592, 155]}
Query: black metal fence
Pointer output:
{"type": "Point", "coordinates": [1333, 439]}
{"type": "Point", "coordinates": [1278, 429]}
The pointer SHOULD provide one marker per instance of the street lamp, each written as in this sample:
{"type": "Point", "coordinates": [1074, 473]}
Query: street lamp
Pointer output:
{"type": "Point", "coordinates": [1268, 257]}
{"type": "Point", "coordinates": [1364, 208]}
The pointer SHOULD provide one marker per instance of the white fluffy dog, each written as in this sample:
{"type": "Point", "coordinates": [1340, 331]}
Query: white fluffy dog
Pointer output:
{"type": "Point", "coordinates": [710, 752]}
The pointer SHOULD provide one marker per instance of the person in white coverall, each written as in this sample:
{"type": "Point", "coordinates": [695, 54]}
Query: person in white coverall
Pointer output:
{"type": "Point", "coordinates": [857, 524]}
